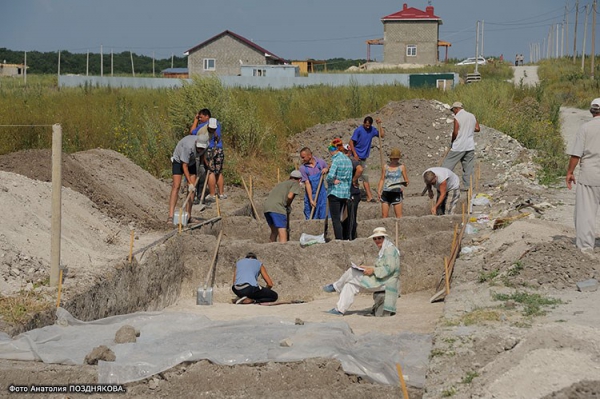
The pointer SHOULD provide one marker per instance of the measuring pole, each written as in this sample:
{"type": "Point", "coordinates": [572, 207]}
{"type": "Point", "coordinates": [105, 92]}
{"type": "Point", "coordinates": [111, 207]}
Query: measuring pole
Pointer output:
{"type": "Point", "coordinates": [56, 204]}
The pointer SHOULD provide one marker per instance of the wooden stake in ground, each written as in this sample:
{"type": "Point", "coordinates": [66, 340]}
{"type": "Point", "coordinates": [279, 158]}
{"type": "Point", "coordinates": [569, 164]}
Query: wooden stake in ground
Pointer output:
{"type": "Point", "coordinates": [447, 275]}
{"type": "Point", "coordinates": [278, 179]}
{"type": "Point", "coordinates": [250, 188]}
{"type": "Point", "coordinates": [218, 206]}
{"type": "Point", "coordinates": [312, 211]}
{"type": "Point", "coordinates": [402, 383]}
{"type": "Point", "coordinates": [380, 128]}
{"type": "Point", "coordinates": [131, 246]}
{"type": "Point", "coordinates": [60, 276]}
{"type": "Point", "coordinates": [250, 198]}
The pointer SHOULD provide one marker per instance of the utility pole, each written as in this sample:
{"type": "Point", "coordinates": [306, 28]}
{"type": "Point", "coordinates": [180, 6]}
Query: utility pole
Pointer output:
{"type": "Point", "coordinates": [556, 54]}
{"type": "Point", "coordinates": [477, 48]}
{"type": "Point", "coordinates": [87, 63]}
{"type": "Point", "coordinates": [111, 62]}
{"type": "Point", "coordinates": [132, 69]}
{"type": "Point", "coordinates": [172, 55]}
{"type": "Point", "coordinates": [101, 62]}
{"type": "Point", "coordinates": [584, 37]}
{"type": "Point", "coordinates": [562, 40]}
{"type": "Point", "coordinates": [482, 53]}
{"type": "Point", "coordinates": [153, 64]}
{"type": "Point", "coordinates": [25, 69]}
{"type": "Point", "coordinates": [575, 33]}
{"type": "Point", "coordinates": [58, 62]}
{"type": "Point", "coordinates": [594, 12]}
{"type": "Point", "coordinates": [566, 30]}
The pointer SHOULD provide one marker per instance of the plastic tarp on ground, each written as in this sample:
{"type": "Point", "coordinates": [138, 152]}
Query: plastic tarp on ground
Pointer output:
{"type": "Point", "coordinates": [167, 339]}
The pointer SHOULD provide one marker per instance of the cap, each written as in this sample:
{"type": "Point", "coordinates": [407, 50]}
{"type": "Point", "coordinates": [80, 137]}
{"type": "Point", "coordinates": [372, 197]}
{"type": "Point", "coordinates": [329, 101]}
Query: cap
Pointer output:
{"type": "Point", "coordinates": [595, 103]}
{"type": "Point", "coordinates": [379, 232]}
{"type": "Point", "coordinates": [296, 174]}
{"type": "Point", "coordinates": [212, 123]}
{"type": "Point", "coordinates": [457, 104]}
{"type": "Point", "coordinates": [251, 255]}
{"type": "Point", "coordinates": [202, 141]}
{"type": "Point", "coordinates": [395, 153]}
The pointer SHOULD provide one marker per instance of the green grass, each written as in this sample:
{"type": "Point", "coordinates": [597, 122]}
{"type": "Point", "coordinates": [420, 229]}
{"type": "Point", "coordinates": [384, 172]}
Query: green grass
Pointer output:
{"type": "Point", "coordinates": [483, 277]}
{"type": "Point", "coordinates": [471, 375]}
{"type": "Point", "coordinates": [533, 304]}
{"type": "Point", "coordinates": [145, 125]}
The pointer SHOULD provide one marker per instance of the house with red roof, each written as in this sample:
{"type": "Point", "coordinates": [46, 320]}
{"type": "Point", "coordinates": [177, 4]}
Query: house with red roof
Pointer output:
{"type": "Point", "coordinates": [410, 36]}
{"type": "Point", "coordinates": [225, 53]}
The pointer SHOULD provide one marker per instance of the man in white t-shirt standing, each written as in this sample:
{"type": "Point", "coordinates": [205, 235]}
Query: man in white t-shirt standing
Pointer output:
{"type": "Point", "coordinates": [585, 151]}
{"type": "Point", "coordinates": [447, 185]}
{"type": "Point", "coordinates": [462, 146]}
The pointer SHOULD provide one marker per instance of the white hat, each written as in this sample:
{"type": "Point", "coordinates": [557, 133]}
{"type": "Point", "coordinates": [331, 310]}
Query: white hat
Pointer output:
{"type": "Point", "coordinates": [457, 104]}
{"type": "Point", "coordinates": [379, 232]}
{"type": "Point", "coordinates": [212, 123]}
{"type": "Point", "coordinates": [595, 103]}
{"type": "Point", "coordinates": [347, 147]}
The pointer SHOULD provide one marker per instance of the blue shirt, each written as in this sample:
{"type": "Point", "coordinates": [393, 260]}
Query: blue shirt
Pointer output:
{"type": "Point", "coordinates": [307, 170]}
{"type": "Point", "coordinates": [247, 271]}
{"type": "Point", "coordinates": [362, 140]}
{"type": "Point", "coordinates": [341, 169]}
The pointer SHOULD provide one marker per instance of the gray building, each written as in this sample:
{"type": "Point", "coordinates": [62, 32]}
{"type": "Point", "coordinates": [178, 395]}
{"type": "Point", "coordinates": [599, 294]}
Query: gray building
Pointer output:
{"type": "Point", "coordinates": [411, 36]}
{"type": "Point", "coordinates": [225, 53]}
{"type": "Point", "coordinates": [12, 69]}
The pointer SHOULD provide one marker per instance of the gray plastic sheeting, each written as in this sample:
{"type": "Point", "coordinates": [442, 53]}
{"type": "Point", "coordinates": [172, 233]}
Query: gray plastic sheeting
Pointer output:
{"type": "Point", "coordinates": [167, 339]}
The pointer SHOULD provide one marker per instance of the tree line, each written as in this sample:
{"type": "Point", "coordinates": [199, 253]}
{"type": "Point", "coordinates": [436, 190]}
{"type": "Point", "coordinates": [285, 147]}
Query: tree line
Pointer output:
{"type": "Point", "coordinates": [77, 63]}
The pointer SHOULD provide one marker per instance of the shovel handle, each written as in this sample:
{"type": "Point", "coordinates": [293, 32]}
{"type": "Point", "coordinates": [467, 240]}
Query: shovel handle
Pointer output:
{"type": "Point", "coordinates": [312, 212]}
{"type": "Point", "coordinates": [214, 260]}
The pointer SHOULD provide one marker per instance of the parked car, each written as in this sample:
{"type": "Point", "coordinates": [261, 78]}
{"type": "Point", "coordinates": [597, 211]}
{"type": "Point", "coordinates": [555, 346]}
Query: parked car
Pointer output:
{"type": "Point", "coordinates": [471, 61]}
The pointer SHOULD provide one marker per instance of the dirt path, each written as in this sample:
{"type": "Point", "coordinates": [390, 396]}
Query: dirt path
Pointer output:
{"type": "Point", "coordinates": [526, 75]}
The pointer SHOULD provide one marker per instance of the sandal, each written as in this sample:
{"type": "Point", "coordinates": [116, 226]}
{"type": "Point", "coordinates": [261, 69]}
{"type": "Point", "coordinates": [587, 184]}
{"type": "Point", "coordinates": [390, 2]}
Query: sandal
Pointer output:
{"type": "Point", "coordinates": [194, 220]}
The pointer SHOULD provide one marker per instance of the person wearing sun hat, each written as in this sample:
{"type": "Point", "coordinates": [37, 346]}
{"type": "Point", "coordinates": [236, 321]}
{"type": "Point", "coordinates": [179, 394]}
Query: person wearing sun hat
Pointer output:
{"type": "Point", "coordinates": [585, 151]}
{"type": "Point", "coordinates": [385, 274]}
{"type": "Point", "coordinates": [389, 189]}
{"type": "Point", "coordinates": [338, 180]}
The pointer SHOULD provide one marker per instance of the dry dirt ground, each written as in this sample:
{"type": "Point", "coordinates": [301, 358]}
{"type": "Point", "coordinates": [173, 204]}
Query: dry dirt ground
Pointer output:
{"type": "Point", "coordinates": [483, 347]}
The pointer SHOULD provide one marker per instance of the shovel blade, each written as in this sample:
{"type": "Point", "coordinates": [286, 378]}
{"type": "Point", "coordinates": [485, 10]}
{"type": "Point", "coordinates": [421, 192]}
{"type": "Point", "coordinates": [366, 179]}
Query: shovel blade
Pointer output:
{"type": "Point", "coordinates": [204, 296]}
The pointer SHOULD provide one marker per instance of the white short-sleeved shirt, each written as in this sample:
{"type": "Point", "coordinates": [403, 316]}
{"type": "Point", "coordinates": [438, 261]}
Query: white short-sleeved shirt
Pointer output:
{"type": "Point", "coordinates": [444, 174]}
{"type": "Point", "coordinates": [466, 129]}
{"type": "Point", "coordinates": [587, 147]}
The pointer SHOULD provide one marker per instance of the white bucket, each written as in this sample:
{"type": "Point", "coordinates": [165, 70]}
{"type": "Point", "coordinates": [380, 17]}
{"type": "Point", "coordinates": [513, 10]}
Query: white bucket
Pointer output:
{"type": "Point", "coordinates": [184, 218]}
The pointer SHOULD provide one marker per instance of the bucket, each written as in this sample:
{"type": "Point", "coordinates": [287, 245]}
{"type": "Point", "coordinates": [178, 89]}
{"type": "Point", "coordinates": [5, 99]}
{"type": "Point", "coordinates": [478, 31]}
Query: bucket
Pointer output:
{"type": "Point", "coordinates": [184, 218]}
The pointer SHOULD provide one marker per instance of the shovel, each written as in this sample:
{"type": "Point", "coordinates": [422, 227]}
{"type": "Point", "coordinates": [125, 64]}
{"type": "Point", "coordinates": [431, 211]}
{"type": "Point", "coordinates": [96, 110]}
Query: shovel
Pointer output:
{"type": "Point", "coordinates": [204, 295]}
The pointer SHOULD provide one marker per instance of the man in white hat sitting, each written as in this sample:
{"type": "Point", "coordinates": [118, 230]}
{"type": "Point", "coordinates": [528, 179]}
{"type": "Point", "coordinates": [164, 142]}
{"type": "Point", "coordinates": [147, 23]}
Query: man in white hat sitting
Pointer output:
{"type": "Point", "coordinates": [384, 275]}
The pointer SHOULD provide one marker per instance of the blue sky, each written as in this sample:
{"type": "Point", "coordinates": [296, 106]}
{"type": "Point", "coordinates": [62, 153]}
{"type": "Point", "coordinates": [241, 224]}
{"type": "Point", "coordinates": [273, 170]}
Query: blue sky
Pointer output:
{"type": "Point", "coordinates": [291, 29]}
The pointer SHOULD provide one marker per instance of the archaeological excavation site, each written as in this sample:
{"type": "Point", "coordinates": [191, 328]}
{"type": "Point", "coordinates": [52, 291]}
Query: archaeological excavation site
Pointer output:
{"type": "Point", "coordinates": [460, 328]}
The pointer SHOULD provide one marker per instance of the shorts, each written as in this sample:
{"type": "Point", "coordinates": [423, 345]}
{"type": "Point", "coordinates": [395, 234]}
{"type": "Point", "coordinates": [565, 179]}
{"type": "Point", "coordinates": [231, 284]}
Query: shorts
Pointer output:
{"type": "Point", "coordinates": [177, 168]}
{"type": "Point", "coordinates": [392, 197]}
{"type": "Point", "coordinates": [278, 220]}
{"type": "Point", "coordinates": [364, 177]}
{"type": "Point", "coordinates": [215, 158]}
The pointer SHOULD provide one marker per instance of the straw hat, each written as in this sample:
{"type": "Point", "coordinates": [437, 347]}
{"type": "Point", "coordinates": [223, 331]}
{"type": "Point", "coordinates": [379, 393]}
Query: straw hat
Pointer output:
{"type": "Point", "coordinates": [379, 232]}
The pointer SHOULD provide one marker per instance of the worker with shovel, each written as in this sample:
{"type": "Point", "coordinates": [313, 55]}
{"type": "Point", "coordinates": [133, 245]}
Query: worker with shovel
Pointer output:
{"type": "Point", "coordinates": [278, 205]}
{"type": "Point", "coordinates": [183, 163]}
{"type": "Point", "coordinates": [245, 281]}
{"type": "Point", "coordinates": [313, 172]}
